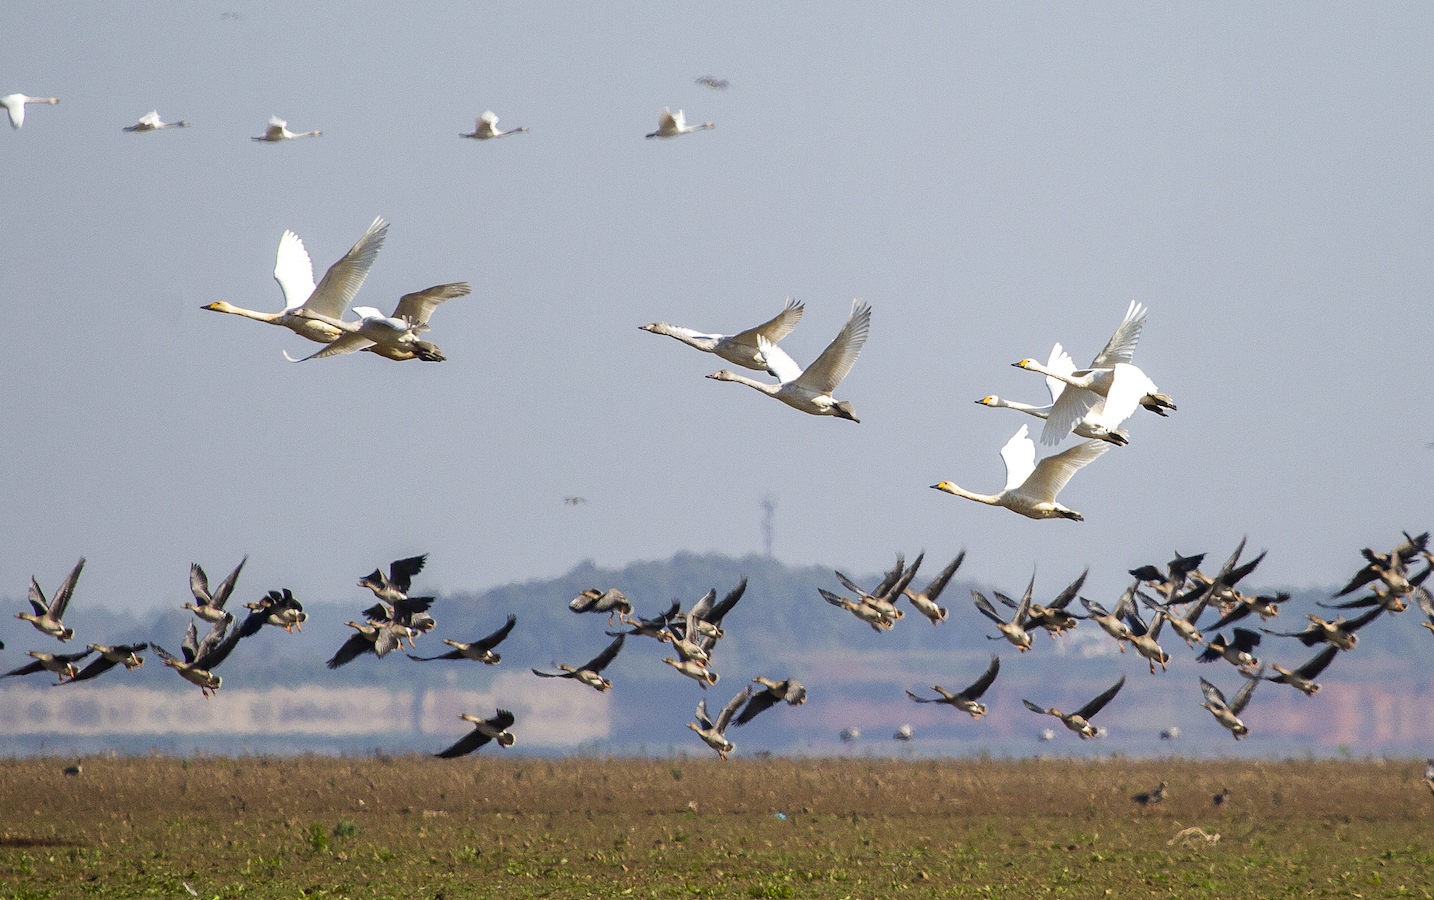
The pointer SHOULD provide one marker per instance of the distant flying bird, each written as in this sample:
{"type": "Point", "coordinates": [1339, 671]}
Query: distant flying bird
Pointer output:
{"type": "Point", "coordinates": [1113, 622]}
{"type": "Point", "coordinates": [574, 501]}
{"type": "Point", "coordinates": [62, 664]}
{"type": "Point", "coordinates": [611, 601]}
{"type": "Point", "coordinates": [1092, 425]}
{"type": "Point", "coordinates": [714, 734]}
{"type": "Point", "coordinates": [1053, 617]}
{"type": "Point", "coordinates": [810, 389]}
{"type": "Point", "coordinates": [925, 601]}
{"type": "Point", "coordinates": [15, 105]}
{"type": "Point", "coordinates": [1228, 714]}
{"type": "Point", "coordinates": [1340, 633]}
{"type": "Point", "coordinates": [965, 700]}
{"type": "Point", "coordinates": [1303, 678]}
{"type": "Point", "coordinates": [151, 122]}
{"type": "Point", "coordinates": [210, 606]}
{"type": "Point", "coordinates": [484, 730]}
{"type": "Point", "coordinates": [278, 130]}
{"type": "Point", "coordinates": [1110, 376]}
{"type": "Point", "coordinates": [1079, 721]}
{"type": "Point", "coordinates": [903, 734]}
{"type": "Point", "coordinates": [480, 650]}
{"type": "Point", "coordinates": [394, 337]}
{"type": "Point", "coordinates": [790, 691]}
{"type": "Point", "coordinates": [202, 657]}
{"type": "Point", "coordinates": [48, 613]}
{"type": "Point", "coordinates": [1031, 487]}
{"type": "Point", "coordinates": [485, 127]}
{"type": "Point", "coordinates": [378, 638]}
{"type": "Point", "coordinates": [741, 348]}
{"type": "Point", "coordinates": [587, 673]}
{"type": "Point", "coordinates": [712, 81]}
{"type": "Point", "coordinates": [395, 585]}
{"type": "Point", "coordinates": [670, 126]}
{"type": "Point", "coordinates": [278, 608]}
{"type": "Point", "coordinates": [1235, 651]}
{"type": "Point", "coordinates": [1014, 630]}
{"type": "Point", "coordinates": [126, 655]}
{"type": "Point", "coordinates": [330, 298]}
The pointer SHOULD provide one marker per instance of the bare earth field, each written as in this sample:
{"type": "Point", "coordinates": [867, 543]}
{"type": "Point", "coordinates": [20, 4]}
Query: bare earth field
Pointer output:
{"type": "Point", "coordinates": [510, 826]}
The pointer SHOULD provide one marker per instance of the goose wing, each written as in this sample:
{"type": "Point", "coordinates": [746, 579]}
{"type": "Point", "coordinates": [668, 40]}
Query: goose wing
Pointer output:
{"type": "Point", "coordinates": [1213, 695]}
{"type": "Point", "coordinates": [600, 662]}
{"type": "Point", "coordinates": [216, 654]}
{"type": "Point", "coordinates": [1242, 696]}
{"type": "Point", "coordinates": [415, 308]}
{"type": "Point", "coordinates": [986, 608]}
{"type": "Point", "coordinates": [731, 708]}
{"type": "Point", "coordinates": [466, 745]}
{"type": "Point", "coordinates": [401, 571]}
{"type": "Point", "coordinates": [756, 706]}
{"type": "Point", "coordinates": [28, 669]}
{"type": "Point", "coordinates": [836, 360]}
{"type": "Point", "coordinates": [1064, 598]}
{"type": "Point", "coordinates": [703, 607]}
{"type": "Point", "coordinates": [199, 585]}
{"type": "Point", "coordinates": [94, 669]}
{"type": "Point", "coordinates": [1038, 709]}
{"type": "Point", "coordinates": [701, 715]}
{"type": "Point", "coordinates": [1019, 455]}
{"type": "Point", "coordinates": [1096, 705]}
{"type": "Point", "coordinates": [61, 600]}
{"type": "Point", "coordinates": [344, 278]}
{"type": "Point", "coordinates": [1317, 665]}
{"type": "Point", "coordinates": [1053, 473]}
{"type": "Point", "coordinates": [496, 638]}
{"type": "Point", "coordinates": [37, 598]}
{"type": "Point", "coordinates": [775, 328]}
{"type": "Point", "coordinates": [1121, 346]}
{"type": "Point", "coordinates": [720, 611]}
{"type": "Point", "coordinates": [226, 587]}
{"type": "Point", "coordinates": [452, 654]}
{"type": "Point", "coordinates": [352, 649]}
{"type": "Point", "coordinates": [938, 584]}
{"type": "Point", "coordinates": [979, 686]}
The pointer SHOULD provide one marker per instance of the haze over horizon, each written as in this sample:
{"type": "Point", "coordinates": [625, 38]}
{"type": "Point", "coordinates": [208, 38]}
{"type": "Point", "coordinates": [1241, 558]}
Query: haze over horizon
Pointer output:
{"type": "Point", "coordinates": [990, 179]}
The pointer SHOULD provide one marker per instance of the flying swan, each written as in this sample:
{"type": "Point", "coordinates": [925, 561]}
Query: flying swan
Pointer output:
{"type": "Point", "coordinates": [1031, 487]}
{"type": "Point", "coordinates": [741, 348]}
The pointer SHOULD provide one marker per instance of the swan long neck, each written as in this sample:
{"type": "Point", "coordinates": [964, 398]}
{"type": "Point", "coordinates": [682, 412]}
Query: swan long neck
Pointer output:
{"type": "Point", "coordinates": [221, 306]}
{"type": "Point", "coordinates": [988, 499]}
{"type": "Point", "coordinates": [770, 389]}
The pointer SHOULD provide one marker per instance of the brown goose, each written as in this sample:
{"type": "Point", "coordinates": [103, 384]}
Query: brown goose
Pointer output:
{"type": "Point", "coordinates": [202, 657]}
{"type": "Point", "coordinates": [480, 650]}
{"type": "Point", "coordinates": [126, 655]}
{"type": "Point", "coordinates": [587, 673]}
{"type": "Point", "coordinates": [1302, 679]}
{"type": "Point", "coordinates": [925, 601]}
{"type": "Point", "coordinates": [395, 585]}
{"type": "Point", "coordinates": [966, 700]}
{"type": "Point", "coordinates": [484, 730]}
{"type": "Point", "coordinates": [1079, 721]}
{"type": "Point", "coordinates": [790, 690]}
{"type": "Point", "coordinates": [47, 614]}
{"type": "Point", "coordinates": [210, 606]}
{"type": "Point", "coordinates": [714, 733]}
{"type": "Point", "coordinates": [62, 664]}
{"type": "Point", "coordinates": [1228, 714]}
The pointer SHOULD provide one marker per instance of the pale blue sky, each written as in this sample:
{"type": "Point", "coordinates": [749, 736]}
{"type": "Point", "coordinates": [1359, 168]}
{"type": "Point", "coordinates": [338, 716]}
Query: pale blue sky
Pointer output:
{"type": "Point", "coordinates": [991, 178]}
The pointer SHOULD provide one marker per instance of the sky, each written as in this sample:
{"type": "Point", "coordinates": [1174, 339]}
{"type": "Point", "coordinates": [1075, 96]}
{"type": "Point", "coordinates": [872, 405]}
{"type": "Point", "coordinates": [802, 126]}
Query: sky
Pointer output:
{"type": "Point", "coordinates": [991, 178]}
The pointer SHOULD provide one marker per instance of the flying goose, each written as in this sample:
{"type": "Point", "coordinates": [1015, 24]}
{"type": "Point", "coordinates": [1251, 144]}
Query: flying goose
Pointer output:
{"type": "Point", "coordinates": [965, 700]}
{"type": "Point", "coordinates": [15, 105]}
{"type": "Point", "coordinates": [670, 125]}
{"type": "Point", "coordinates": [1383, 597]}
{"type": "Point", "coordinates": [278, 608]}
{"type": "Point", "coordinates": [656, 628]}
{"type": "Point", "coordinates": [1092, 425]}
{"type": "Point", "coordinates": [210, 606]}
{"type": "Point", "coordinates": [1014, 630]}
{"type": "Point", "coordinates": [1110, 376]}
{"type": "Point", "coordinates": [884, 598]}
{"type": "Point", "coordinates": [810, 389]}
{"type": "Point", "coordinates": [864, 611]}
{"type": "Point", "coordinates": [925, 601]}
{"type": "Point", "coordinates": [480, 650]}
{"type": "Point", "coordinates": [392, 337]}
{"type": "Point", "coordinates": [611, 601]}
{"type": "Point", "coordinates": [485, 127]}
{"type": "Point", "coordinates": [1113, 622]}
{"type": "Point", "coordinates": [1340, 633]}
{"type": "Point", "coordinates": [1235, 651]}
{"type": "Point", "coordinates": [309, 310]}
{"type": "Point", "coordinates": [714, 733]}
{"type": "Point", "coordinates": [48, 613]}
{"type": "Point", "coordinates": [126, 655]}
{"type": "Point", "coordinates": [62, 664]}
{"type": "Point", "coordinates": [790, 690]}
{"type": "Point", "coordinates": [1146, 638]}
{"type": "Point", "coordinates": [1228, 714]}
{"type": "Point", "coordinates": [741, 348]}
{"type": "Point", "coordinates": [1389, 568]}
{"type": "Point", "coordinates": [394, 586]}
{"type": "Point", "coordinates": [1303, 678]}
{"type": "Point", "coordinates": [484, 730]}
{"type": "Point", "coordinates": [150, 122]}
{"type": "Point", "coordinates": [1079, 721]}
{"type": "Point", "coordinates": [1031, 487]}
{"type": "Point", "coordinates": [378, 638]}
{"type": "Point", "coordinates": [202, 657]}
{"type": "Point", "coordinates": [587, 673]}
{"type": "Point", "coordinates": [1053, 618]}
{"type": "Point", "coordinates": [695, 668]}
{"type": "Point", "coordinates": [278, 130]}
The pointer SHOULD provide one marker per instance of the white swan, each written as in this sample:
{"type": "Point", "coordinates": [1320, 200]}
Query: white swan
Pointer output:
{"type": "Point", "coordinates": [741, 348]}
{"type": "Point", "coordinates": [396, 336]}
{"type": "Point", "coordinates": [485, 127]}
{"type": "Point", "coordinates": [810, 389]}
{"type": "Point", "coordinates": [150, 121]}
{"type": "Point", "coordinates": [278, 130]}
{"type": "Point", "coordinates": [1093, 425]}
{"type": "Point", "coordinates": [1110, 375]}
{"type": "Point", "coordinates": [670, 126]}
{"type": "Point", "coordinates": [15, 105]}
{"type": "Point", "coordinates": [307, 308]}
{"type": "Point", "coordinates": [1031, 487]}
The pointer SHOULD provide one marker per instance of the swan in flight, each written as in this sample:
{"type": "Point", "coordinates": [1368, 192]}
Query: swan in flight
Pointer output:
{"type": "Point", "coordinates": [1031, 487]}
{"type": "Point", "coordinates": [1110, 375]}
{"type": "Point", "coordinates": [810, 389]}
{"type": "Point", "coordinates": [669, 125]}
{"type": "Point", "coordinates": [151, 122]}
{"type": "Point", "coordinates": [1092, 425]}
{"type": "Point", "coordinates": [741, 348]}
{"type": "Point", "coordinates": [15, 105]}
{"type": "Point", "coordinates": [302, 300]}
{"type": "Point", "coordinates": [395, 336]}
{"type": "Point", "coordinates": [278, 130]}
{"type": "Point", "coordinates": [486, 127]}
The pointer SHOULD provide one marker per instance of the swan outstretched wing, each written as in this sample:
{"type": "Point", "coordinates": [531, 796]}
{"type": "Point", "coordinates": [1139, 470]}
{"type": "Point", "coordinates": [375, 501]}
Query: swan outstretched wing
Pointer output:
{"type": "Point", "coordinates": [1127, 387]}
{"type": "Point", "coordinates": [1069, 408]}
{"type": "Point", "coordinates": [666, 121]}
{"type": "Point", "coordinates": [418, 306]}
{"type": "Point", "coordinates": [779, 364]}
{"type": "Point", "coordinates": [345, 277]}
{"type": "Point", "coordinates": [1019, 454]}
{"type": "Point", "coordinates": [1121, 347]}
{"type": "Point", "coordinates": [1060, 361]}
{"type": "Point", "coordinates": [776, 328]}
{"type": "Point", "coordinates": [348, 342]}
{"type": "Point", "coordinates": [294, 271]}
{"type": "Point", "coordinates": [836, 360]}
{"type": "Point", "coordinates": [1054, 472]}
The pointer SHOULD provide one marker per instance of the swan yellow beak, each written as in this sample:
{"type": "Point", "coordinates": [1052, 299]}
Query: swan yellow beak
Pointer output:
{"type": "Point", "coordinates": [986, 401]}
{"type": "Point", "coordinates": [1024, 364]}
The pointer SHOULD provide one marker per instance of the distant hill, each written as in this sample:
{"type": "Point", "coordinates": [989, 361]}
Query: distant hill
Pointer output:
{"type": "Point", "coordinates": [279, 697]}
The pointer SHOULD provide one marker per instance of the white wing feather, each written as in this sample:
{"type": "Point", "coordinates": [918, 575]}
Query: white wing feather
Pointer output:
{"type": "Point", "coordinates": [345, 277]}
{"type": "Point", "coordinates": [294, 271]}
{"type": "Point", "coordinates": [1054, 472]}
{"type": "Point", "coordinates": [836, 360]}
{"type": "Point", "coordinates": [1121, 346]}
{"type": "Point", "coordinates": [1019, 455]}
{"type": "Point", "coordinates": [779, 364]}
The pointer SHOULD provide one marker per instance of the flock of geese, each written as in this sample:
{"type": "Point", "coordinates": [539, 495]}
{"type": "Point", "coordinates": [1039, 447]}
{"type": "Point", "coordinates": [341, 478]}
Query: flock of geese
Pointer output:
{"type": "Point", "coordinates": [1179, 594]}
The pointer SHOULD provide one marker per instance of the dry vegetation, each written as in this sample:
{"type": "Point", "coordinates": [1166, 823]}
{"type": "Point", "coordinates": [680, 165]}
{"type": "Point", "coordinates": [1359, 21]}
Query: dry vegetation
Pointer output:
{"type": "Point", "coordinates": [523, 827]}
